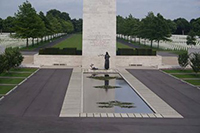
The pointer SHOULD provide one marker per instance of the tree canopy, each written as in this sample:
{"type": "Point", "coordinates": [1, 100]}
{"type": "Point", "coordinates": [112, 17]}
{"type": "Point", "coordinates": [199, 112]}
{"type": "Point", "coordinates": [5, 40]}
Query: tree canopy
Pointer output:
{"type": "Point", "coordinates": [28, 24]}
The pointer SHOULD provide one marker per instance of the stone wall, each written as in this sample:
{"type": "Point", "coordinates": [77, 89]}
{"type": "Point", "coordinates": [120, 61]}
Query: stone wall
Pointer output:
{"type": "Point", "coordinates": [63, 60]}
{"type": "Point", "coordinates": [76, 61]}
{"type": "Point", "coordinates": [124, 61]}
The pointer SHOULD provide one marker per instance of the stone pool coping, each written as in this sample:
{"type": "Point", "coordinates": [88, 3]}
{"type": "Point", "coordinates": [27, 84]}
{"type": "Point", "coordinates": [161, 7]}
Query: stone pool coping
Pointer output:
{"type": "Point", "coordinates": [73, 101]}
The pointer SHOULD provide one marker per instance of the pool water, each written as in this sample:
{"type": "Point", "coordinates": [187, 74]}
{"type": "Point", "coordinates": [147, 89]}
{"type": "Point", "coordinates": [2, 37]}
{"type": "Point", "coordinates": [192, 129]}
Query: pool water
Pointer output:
{"type": "Point", "coordinates": [110, 93]}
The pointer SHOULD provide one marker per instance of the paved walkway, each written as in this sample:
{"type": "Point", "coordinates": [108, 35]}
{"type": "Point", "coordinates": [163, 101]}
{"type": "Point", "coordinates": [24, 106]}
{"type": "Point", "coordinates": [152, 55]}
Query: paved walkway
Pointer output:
{"type": "Point", "coordinates": [35, 106]}
{"type": "Point", "coordinates": [40, 96]}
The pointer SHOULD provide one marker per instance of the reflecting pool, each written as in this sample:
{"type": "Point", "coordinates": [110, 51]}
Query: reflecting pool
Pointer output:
{"type": "Point", "coordinates": [110, 93]}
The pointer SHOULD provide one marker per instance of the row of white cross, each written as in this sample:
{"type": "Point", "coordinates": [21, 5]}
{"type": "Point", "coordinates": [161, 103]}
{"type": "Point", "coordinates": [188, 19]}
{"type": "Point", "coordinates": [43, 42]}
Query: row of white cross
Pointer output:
{"type": "Point", "coordinates": [7, 41]}
{"type": "Point", "coordinates": [178, 42]}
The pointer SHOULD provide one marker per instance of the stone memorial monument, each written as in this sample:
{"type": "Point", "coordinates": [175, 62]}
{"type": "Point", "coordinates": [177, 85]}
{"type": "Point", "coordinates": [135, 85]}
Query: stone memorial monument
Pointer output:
{"type": "Point", "coordinates": [99, 32]}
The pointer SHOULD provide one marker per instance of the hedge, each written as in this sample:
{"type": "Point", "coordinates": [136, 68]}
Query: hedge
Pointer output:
{"type": "Point", "coordinates": [57, 51]}
{"type": "Point", "coordinates": [74, 51]}
{"type": "Point", "coordinates": [136, 52]}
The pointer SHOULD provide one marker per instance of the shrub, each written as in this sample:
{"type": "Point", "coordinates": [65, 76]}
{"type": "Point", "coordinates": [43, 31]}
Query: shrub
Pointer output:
{"type": "Point", "coordinates": [183, 60]}
{"type": "Point", "coordinates": [2, 63]}
{"type": "Point", "coordinates": [195, 62]}
{"type": "Point", "coordinates": [137, 52]}
{"type": "Point", "coordinates": [13, 58]}
{"type": "Point", "coordinates": [10, 59]}
{"type": "Point", "coordinates": [125, 51]}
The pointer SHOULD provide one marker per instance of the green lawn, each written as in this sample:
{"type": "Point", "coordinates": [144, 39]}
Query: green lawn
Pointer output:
{"type": "Point", "coordinates": [194, 82]}
{"type": "Point", "coordinates": [75, 41]}
{"type": "Point", "coordinates": [120, 45]}
{"type": "Point", "coordinates": [155, 48]}
{"type": "Point", "coordinates": [9, 80]}
{"type": "Point", "coordinates": [23, 70]}
{"type": "Point", "coordinates": [5, 89]}
{"type": "Point", "coordinates": [179, 71]}
{"type": "Point", "coordinates": [12, 74]}
{"type": "Point", "coordinates": [188, 73]}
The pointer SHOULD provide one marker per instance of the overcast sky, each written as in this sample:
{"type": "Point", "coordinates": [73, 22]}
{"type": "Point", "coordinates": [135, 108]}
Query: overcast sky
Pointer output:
{"type": "Point", "coordinates": [170, 9]}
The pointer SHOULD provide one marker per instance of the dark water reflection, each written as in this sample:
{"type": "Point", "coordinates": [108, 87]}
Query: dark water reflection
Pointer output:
{"type": "Point", "coordinates": [92, 96]}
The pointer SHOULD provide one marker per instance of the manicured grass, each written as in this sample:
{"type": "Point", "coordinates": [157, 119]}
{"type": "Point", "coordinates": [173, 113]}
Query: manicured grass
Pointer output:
{"type": "Point", "coordinates": [10, 81]}
{"type": "Point", "coordinates": [155, 48]}
{"type": "Point", "coordinates": [5, 89]}
{"type": "Point", "coordinates": [12, 74]}
{"type": "Point", "coordinates": [120, 45]}
{"type": "Point", "coordinates": [194, 82]}
{"type": "Point", "coordinates": [74, 41]}
{"type": "Point", "coordinates": [23, 70]}
{"type": "Point", "coordinates": [179, 71]}
{"type": "Point", "coordinates": [186, 75]}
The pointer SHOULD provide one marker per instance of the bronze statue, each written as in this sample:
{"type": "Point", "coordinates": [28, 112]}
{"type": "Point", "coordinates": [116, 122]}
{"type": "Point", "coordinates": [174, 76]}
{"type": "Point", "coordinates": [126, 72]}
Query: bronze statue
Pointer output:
{"type": "Point", "coordinates": [107, 56]}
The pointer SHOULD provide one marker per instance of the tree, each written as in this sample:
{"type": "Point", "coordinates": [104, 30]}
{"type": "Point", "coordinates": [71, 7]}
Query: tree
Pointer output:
{"type": "Point", "coordinates": [172, 26]}
{"type": "Point", "coordinates": [67, 26]}
{"type": "Point", "coordinates": [55, 24]}
{"type": "Point", "coordinates": [162, 29]}
{"type": "Point", "coordinates": [195, 62]}
{"type": "Point", "coordinates": [191, 40]}
{"type": "Point", "coordinates": [154, 28]}
{"type": "Point", "coordinates": [38, 28]}
{"type": "Point", "coordinates": [65, 16]}
{"type": "Point", "coordinates": [120, 25]}
{"type": "Point", "coordinates": [195, 25]}
{"type": "Point", "coordinates": [1, 25]}
{"type": "Point", "coordinates": [48, 27]}
{"type": "Point", "coordinates": [183, 60]}
{"type": "Point", "coordinates": [8, 24]}
{"type": "Point", "coordinates": [13, 58]}
{"type": "Point", "coordinates": [131, 26]}
{"type": "Point", "coordinates": [78, 25]}
{"type": "Point", "coordinates": [57, 14]}
{"type": "Point", "coordinates": [183, 26]}
{"type": "Point", "coordinates": [147, 28]}
{"type": "Point", "coordinates": [28, 24]}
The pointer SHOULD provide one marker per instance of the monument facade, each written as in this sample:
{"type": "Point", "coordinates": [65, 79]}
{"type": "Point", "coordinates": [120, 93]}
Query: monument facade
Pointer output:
{"type": "Point", "coordinates": [99, 32]}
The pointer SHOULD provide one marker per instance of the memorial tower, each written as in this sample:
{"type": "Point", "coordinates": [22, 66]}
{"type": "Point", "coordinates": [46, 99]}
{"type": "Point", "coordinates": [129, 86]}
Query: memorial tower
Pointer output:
{"type": "Point", "coordinates": [99, 32]}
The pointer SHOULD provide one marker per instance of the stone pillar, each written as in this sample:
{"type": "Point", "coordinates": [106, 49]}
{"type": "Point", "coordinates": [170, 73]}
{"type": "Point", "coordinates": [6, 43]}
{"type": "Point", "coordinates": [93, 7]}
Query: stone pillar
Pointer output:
{"type": "Point", "coordinates": [99, 32]}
